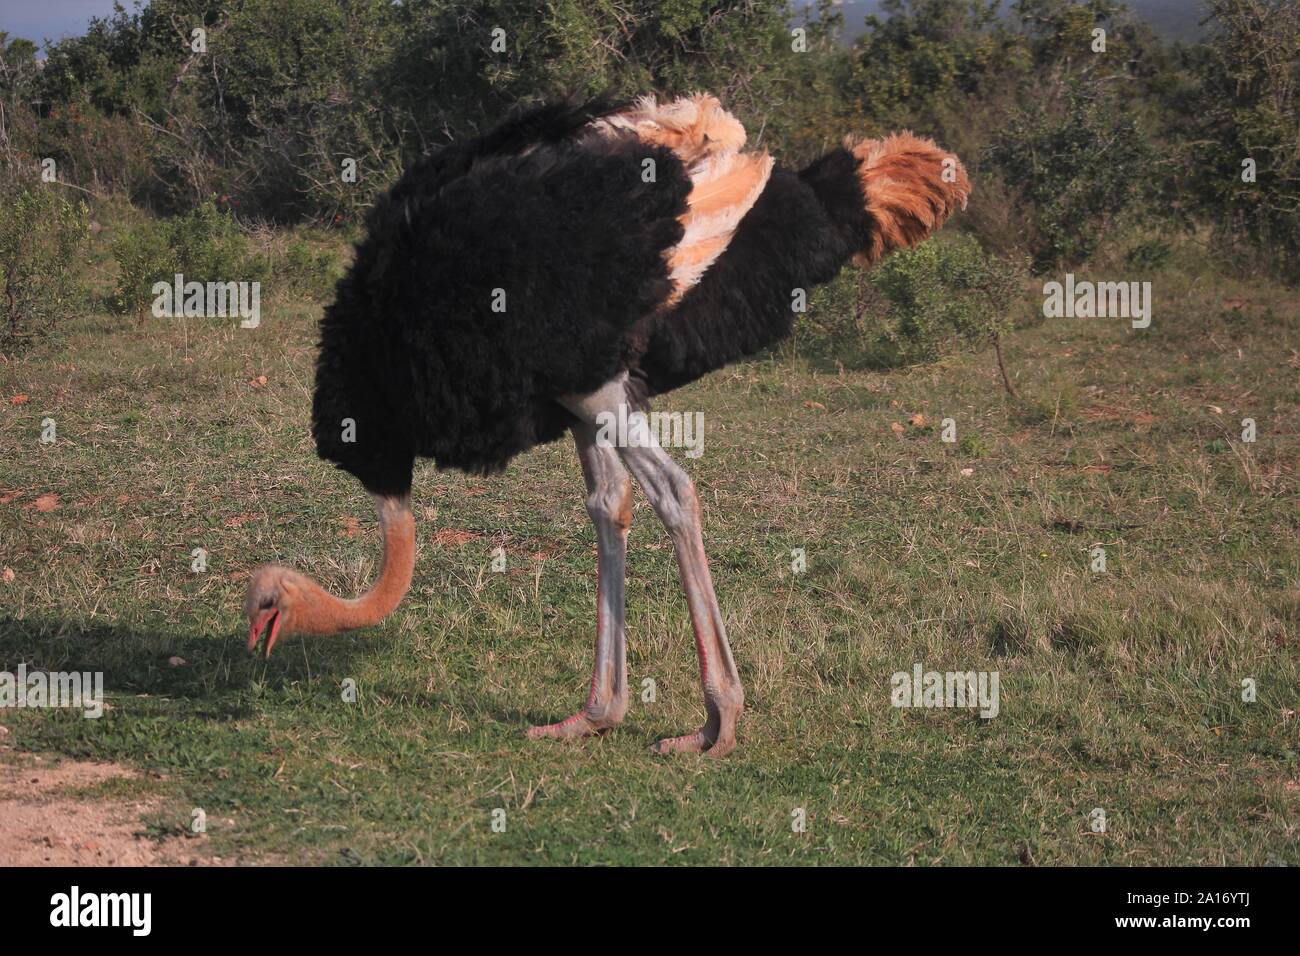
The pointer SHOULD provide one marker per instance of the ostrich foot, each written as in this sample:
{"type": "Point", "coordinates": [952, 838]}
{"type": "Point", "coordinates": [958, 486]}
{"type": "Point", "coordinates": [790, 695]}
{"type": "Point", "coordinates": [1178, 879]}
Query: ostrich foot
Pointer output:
{"type": "Point", "coordinates": [696, 743]}
{"type": "Point", "coordinates": [716, 738]}
{"type": "Point", "coordinates": [579, 725]}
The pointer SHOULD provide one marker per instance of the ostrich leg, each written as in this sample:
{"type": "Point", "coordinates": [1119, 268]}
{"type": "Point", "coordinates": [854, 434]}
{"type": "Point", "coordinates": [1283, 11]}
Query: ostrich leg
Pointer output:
{"type": "Point", "coordinates": [609, 503]}
{"type": "Point", "coordinates": [672, 495]}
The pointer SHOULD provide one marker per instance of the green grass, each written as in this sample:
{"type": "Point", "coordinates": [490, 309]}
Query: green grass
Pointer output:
{"type": "Point", "coordinates": [1119, 690]}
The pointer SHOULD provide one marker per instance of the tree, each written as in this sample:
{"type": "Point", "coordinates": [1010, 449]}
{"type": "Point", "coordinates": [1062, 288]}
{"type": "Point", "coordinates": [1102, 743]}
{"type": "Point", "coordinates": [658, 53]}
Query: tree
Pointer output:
{"type": "Point", "coordinates": [1247, 141]}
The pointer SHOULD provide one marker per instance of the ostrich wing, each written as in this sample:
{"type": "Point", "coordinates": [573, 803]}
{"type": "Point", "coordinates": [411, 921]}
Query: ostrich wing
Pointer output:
{"type": "Point", "coordinates": [471, 307]}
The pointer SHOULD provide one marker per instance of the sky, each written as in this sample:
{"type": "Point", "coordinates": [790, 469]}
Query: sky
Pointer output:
{"type": "Point", "coordinates": [38, 20]}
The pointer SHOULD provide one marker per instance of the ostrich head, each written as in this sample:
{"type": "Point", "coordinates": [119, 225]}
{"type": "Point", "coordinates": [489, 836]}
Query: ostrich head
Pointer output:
{"type": "Point", "coordinates": [282, 601]}
{"type": "Point", "coordinates": [273, 603]}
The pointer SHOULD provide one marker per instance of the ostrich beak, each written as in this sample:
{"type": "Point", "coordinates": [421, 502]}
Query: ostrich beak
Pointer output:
{"type": "Point", "coordinates": [258, 624]}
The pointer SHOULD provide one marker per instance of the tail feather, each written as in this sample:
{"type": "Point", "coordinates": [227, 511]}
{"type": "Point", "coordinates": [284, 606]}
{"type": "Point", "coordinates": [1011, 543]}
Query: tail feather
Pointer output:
{"type": "Point", "coordinates": [911, 186]}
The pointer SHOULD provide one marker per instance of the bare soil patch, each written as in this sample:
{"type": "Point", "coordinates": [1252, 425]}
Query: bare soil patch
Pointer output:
{"type": "Point", "coordinates": [45, 819]}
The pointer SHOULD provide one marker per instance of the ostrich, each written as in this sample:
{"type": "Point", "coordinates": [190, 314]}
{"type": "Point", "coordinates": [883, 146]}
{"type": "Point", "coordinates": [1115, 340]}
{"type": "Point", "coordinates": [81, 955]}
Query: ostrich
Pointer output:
{"type": "Point", "coordinates": [548, 276]}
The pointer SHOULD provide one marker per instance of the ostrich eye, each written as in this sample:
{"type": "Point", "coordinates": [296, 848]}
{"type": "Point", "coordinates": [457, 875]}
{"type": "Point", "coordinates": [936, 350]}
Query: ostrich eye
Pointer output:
{"type": "Point", "coordinates": [266, 603]}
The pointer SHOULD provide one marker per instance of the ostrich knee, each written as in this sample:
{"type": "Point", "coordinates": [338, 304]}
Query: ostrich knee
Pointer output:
{"type": "Point", "coordinates": [673, 496]}
{"type": "Point", "coordinates": [610, 505]}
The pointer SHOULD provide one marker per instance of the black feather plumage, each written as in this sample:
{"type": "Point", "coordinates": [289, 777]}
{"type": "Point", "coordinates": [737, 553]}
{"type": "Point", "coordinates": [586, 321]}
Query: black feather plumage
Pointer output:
{"type": "Point", "coordinates": [569, 231]}
{"type": "Point", "coordinates": [745, 301]}
{"type": "Point", "coordinates": [568, 235]}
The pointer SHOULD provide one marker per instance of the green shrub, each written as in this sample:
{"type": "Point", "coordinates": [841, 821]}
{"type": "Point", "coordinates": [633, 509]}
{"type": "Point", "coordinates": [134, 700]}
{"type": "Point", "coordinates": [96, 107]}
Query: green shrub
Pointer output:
{"type": "Point", "coordinates": [842, 323]}
{"type": "Point", "coordinates": [915, 306]}
{"type": "Point", "coordinates": [1071, 167]}
{"type": "Point", "coordinates": [306, 269]}
{"type": "Point", "coordinates": [943, 295]}
{"type": "Point", "coordinates": [204, 245]}
{"type": "Point", "coordinates": [144, 256]}
{"type": "Point", "coordinates": [41, 234]}
{"type": "Point", "coordinates": [209, 246]}
{"type": "Point", "coordinates": [1248, 108]}
{"type": "Point", "coordinates": [1148, 254]}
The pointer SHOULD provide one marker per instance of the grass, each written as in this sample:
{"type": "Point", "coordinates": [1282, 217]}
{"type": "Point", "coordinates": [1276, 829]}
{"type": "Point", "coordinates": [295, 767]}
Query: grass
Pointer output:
{"type": "Point", "coordinates": [1119, 690]}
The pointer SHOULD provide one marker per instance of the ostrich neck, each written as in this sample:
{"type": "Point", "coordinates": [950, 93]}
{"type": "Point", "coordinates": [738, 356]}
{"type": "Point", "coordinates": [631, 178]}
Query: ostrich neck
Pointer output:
{"type": "Point", "coordinates": [323, 613]}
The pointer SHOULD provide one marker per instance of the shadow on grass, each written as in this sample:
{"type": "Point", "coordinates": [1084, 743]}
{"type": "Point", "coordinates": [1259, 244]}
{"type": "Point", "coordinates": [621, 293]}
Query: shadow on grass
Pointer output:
{"type": "Point", "coordinates": [144, 661]}
{"type": "Point", "coordinates": [218, 680]}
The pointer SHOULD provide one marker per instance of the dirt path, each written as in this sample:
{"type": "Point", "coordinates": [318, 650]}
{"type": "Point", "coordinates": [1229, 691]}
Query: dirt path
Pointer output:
{"type": "Point", "coordinates": [45, 822]}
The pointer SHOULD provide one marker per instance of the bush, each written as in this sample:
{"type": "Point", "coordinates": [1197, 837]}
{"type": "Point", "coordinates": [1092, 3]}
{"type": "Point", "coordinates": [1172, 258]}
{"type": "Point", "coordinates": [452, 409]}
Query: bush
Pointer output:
{"type": "Point", "coordinates": [41, 234]}
{"type": "Point", "coordinates": [306, 269]}
{"type": "Point", "coordinates": [103, 153]}
{"type": "Point", "coordinates": [143, 257]}
{"type": "Point", "coordinates": [840, 325]}
{"type": "Point", "coordinates": [204, 245]}
{"type": "Point", "coordinates": [1249, 109]}
{"type": "Point", "coordinates": [944, 295]}
{"type": "Point", "coordinates": [1071, 167]}
{"type": "Point", "coordinates": [916, 306]}
{"type": "Point", "coordinates": [209, 246]}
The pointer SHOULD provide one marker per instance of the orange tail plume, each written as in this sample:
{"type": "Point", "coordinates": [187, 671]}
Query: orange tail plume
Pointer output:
{"type": "Point", "coordinates": [911, 186]}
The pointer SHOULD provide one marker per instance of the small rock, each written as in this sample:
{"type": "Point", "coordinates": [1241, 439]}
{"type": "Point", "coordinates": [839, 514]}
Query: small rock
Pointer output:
{"type": "Point", "coordinates": [177, 661]}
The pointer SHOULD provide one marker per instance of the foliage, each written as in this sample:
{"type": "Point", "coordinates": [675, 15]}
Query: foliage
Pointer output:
{"type": "Point", "coordinates": [204, 246]}
{"type": "Point", "coordinates": [1074, 167]}
{"type": "Point", "coordinates": [1249, 109]}
{"type": "Point", "coordinates": [41, 235]}
{"type": "Point", "coordinates": [944, 295]}
{"type": "Point", "coordinates": [926, 53]}
{"type": "Point", "coordinates": [209, 247]}
{"type": "Point", "coordinates": [1062, 140]}
{"type": "Point", "coordinates": [306, 268]}
{"type": "Point", "coordinates": [288, 90]}
{"type": "Point", "coordinates": [143, 256]}
{"type": "Point", "coordinates": [916, 306]}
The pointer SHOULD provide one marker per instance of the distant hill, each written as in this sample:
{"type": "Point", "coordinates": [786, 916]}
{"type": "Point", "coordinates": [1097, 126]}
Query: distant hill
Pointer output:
{"type": "Point", "coordinates": [1172, 19]}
